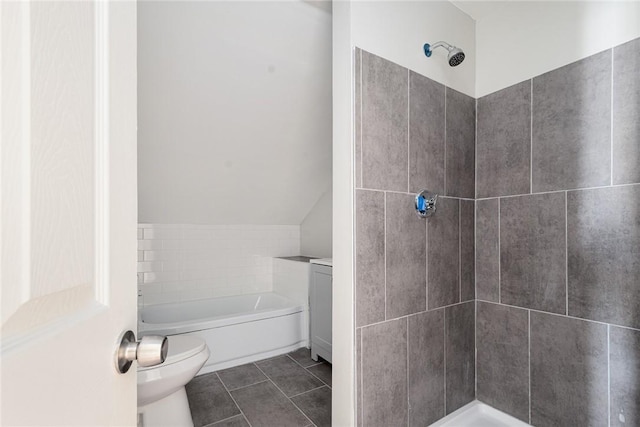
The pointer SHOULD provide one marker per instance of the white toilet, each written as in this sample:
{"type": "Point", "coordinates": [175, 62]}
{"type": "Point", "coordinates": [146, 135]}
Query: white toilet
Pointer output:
{"type": "Point", "coordinates": [162, 399]}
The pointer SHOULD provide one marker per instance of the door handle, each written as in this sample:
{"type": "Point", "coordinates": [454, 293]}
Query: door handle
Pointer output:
{"type": "Point", "coordinates": [151, 350]}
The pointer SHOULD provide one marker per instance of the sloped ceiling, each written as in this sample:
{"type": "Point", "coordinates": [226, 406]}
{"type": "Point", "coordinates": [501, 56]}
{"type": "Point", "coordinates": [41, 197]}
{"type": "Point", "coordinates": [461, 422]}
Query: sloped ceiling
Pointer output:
{"type": "Point", "coordinates": [234, 111]}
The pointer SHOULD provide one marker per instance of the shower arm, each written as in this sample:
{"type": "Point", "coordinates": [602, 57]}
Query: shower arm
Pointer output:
{"type": "Point", "coordinates": [441, 44]}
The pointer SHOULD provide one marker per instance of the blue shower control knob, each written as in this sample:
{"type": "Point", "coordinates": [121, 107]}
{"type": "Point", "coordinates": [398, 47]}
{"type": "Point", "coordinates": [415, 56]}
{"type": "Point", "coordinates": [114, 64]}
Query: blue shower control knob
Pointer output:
{"type": "Point", "coordinates": [426, 203]}
{"type": "Point", "coordinates": [427, 49]}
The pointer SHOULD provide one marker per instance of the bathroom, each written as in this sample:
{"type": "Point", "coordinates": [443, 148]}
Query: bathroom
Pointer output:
{"type": "Point", "coordinates": [514, 303]}
{"type": "Point", "coordinates": [234, 183]}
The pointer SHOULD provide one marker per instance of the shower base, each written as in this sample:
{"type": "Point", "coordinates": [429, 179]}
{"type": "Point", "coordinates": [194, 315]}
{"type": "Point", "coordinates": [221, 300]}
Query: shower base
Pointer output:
{"type": "Point", "coordinates": [478, 414]}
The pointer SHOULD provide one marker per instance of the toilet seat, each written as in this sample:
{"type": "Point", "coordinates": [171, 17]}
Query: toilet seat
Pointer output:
{"type": "Point", "coordinates": [181, 347]}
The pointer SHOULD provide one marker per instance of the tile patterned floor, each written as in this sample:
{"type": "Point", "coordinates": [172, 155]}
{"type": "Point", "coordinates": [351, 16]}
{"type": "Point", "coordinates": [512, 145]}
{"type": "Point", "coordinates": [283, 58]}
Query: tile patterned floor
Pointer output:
{"type": "Point", "coordinates": [285, 391]}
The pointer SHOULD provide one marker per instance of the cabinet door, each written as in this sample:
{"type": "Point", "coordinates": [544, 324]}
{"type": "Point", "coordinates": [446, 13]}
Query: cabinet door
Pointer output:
{"type": "Point", "coordinates": [321, 295]}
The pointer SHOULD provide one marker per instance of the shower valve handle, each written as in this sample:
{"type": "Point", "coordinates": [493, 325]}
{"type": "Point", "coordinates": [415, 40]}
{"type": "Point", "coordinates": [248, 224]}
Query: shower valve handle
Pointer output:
{"type": "Point", "coordinates": [151, 350]}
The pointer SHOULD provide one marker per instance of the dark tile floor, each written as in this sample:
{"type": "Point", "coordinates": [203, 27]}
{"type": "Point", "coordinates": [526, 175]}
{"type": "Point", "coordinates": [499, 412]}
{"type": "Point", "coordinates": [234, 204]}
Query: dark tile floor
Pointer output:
{"type": "Point", "coordinates": [285, 391]}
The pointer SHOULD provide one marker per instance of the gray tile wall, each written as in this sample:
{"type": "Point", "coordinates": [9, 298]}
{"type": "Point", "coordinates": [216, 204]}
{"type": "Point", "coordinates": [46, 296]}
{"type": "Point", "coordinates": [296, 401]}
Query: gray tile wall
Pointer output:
{"type": "Point", "coordinates": [545, 234]}
{"type": "Point", "coordinates": [414, 278]}
{"type": "Point", "coordinates": [558, 244]}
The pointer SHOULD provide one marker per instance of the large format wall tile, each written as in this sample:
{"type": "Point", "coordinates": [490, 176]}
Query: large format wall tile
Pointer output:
{"type": "Point", "coordinates": [384, 371]}
{"type": "Point", "coordinates": [460, 355]}
{"type": "Point", "coordinates": [460, 144]}
{"type": "Point", "coordinates": [502, 335]}
{"type": "Point", "coordinates": [568, 371]}
{"type": "Point", "coordinates": [604, 254]}
{"type": "Point", "coordinates": [426, 134]}
{"type": "Point", "coordinates": [626, 113]}
{"type": "Point", "coordinates": [572, 125]}
{"type": "Point", "coordinates": [532, 252]}
{"type": "Point", "coordinates": [384, 124]}
{"type": "Point", "coordinates": [426, 367]}
{"type": "Point", "coordinates": [504, 142]}
{"type": "Point", "coordinates": [370, 287]}
{"type": "Point", "coordinates": [467, 250]}
{"type": "Point", "coordinates": [406, 257]}
{"type": "Point", "coordinates": [443, 258]}
{"type": "Point", "coordinates": [487, 250]}
{"type": "Point", "coordinates": [625, 377]}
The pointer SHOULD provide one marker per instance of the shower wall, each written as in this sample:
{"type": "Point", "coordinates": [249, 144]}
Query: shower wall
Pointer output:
{"type": "Point", "coordinates": [558, 244]}
{"type": "Point", "coordinates": [414, 279]}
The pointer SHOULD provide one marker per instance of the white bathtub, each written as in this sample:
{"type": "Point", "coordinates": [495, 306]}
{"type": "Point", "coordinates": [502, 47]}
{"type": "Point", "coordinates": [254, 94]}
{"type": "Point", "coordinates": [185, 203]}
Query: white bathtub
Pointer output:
{"type": "Point", "coordinates": [237, 330]}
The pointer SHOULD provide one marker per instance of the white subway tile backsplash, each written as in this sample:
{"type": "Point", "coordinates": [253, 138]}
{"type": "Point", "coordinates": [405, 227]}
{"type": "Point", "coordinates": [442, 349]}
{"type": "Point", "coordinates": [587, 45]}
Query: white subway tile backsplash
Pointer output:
{"type": "Point", "coordinates": [157, 277]}
{"type": "Point", "coordinates": [147, 245]}
{"type": "Point", "coordinates": [146, 267]}
{"type": "Point", "coordinates": [183, 262]}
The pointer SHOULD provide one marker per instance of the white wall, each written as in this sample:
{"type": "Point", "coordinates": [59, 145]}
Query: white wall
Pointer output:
{"type": "Point", "coordinates": [517, 40]}
{"type": "Point", "coordinates": [234, 111]}
{"type": "Point", "coordinates": [343, 390]}
{"type": "Point", "coordinates": [315, 230]}
{"type": "Point", "coordinates": [396, 30]}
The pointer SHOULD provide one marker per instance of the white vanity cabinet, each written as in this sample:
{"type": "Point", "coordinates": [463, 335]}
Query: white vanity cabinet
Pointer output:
{"type": "Point", "coordinates": [320, 304]}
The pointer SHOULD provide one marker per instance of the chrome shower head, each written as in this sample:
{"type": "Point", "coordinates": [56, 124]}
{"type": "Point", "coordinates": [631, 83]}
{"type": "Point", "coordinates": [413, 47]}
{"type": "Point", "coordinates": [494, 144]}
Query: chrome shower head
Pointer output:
{"type": "Point", "coordinates": [456, 55]}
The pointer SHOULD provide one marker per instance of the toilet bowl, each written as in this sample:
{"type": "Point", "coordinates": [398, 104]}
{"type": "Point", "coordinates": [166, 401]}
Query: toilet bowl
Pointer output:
{"type": "Point", "coordinates": [162, 399]}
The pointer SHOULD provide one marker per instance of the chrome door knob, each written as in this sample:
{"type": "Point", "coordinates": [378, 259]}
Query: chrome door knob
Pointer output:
{"type": "Point", "coordinates": [149, 351]}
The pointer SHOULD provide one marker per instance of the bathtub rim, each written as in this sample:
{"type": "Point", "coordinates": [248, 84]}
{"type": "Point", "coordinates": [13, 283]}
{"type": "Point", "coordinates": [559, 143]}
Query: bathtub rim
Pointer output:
{"type": "Point", "coordinates": [175, 328]}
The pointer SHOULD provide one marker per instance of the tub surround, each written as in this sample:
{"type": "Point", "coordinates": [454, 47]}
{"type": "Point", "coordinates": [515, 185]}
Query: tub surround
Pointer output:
{"type": "Point", "coordinates": [178, 262]}
{"type": "Point", "coordinates": [291, 278]}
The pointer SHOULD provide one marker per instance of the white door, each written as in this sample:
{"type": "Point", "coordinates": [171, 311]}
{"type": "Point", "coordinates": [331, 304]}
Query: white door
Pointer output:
{"type": "Point", "coordinates": [68, 196]}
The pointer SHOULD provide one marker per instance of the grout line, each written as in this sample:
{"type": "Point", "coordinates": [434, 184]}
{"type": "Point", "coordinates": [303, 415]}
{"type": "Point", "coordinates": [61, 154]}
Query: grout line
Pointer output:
{"type": "Point", "coordinates": [459, 250]}
{"type": "Point", "coordinates": [475, 156]}
{"type": "Point", "coordinates": [608, 376]}
{"type": "Point", "coordinates": [611, 113]}
{"type": "Point", "coordinates": [310, 366]}
{"type": "Point", "coordinates": [361, 381]}
{"type": "Point", "coordinates": [232, 398]}
{"type": "Point", "coordinates": [226, 419]}
{"type": "Point", "coordinates": [601, 187]}
{"type": "Point", "coordinates": [361, 121]}
{"type": "Point", "coordinates": [529, 361]}
{"type": "Point", "coordinates": [444, 365]}
{"type": "Point", "coordinates": [444, 189]}
{"type": "Point", "coordinates": [417, 313]}
{"type": "Point", "coordinates": [408, 131]}
{"type": "Point", "coordinates": [562, 315]}
{"type": "Point", "coordinates": [413, 194]}
{"type": "Point", "coordinates": [475, 340]}
{"type": "Point", "coordinates": [285, 395]}
{"type": "Point", "coordinates": [319, 379]}
{"type": "Point", "coordinates": [531, 139]}
{"type": "Point", "coordinates": [385, 255]}
{"type": "Point", "coordinates": [566, 254]}
{"type": "Point", "coordinates": [408, 402]}
{"type": "Point", "coordinates": [244, 386]}
{"type": "Point", "coordinates": [475, 250]}
{"type": "Point", "coordinates": [499, 258]}
{"type": "Point", "coordinates": [297, 363]}
{"type": "Point", "coordinates": [309, 391]}
{"type": "Point", "coordinates": [426, 265]}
